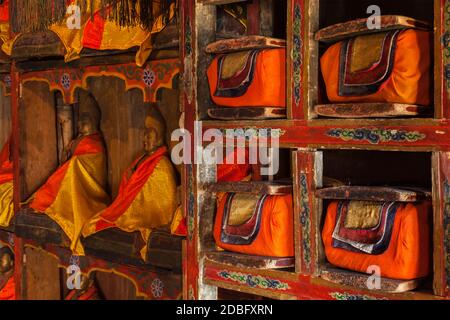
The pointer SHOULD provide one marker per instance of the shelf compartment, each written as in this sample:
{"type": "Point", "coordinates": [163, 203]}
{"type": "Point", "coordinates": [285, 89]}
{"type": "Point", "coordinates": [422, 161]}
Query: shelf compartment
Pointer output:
{"type": "Point", "coordinates": [250, 261]}
{"type": "Point", "coordinates": [371, 110]}
{"type": "Point", "coordinates": [246, 113]}
{"type": "Point", "coordinates": [254, 187]}
{"type": "Point", "coordinates": [373, 193]}
{"type": "Point", "coordinates": [358, 27]}
{"type": "Point", "coordinates": [244, 43]}
{"type": "Point", "coordinates": [360, 280]}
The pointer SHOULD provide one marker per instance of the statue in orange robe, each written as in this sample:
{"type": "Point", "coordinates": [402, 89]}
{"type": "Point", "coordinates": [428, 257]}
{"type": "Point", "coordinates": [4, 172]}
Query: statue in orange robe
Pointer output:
{"type": "Point", "coordinates": [7, 285]}
{"type": "Point", "coordinates": [147, 192]}
{"type": "Point", "coordinates": [6, 186]}
{"type": "Point", "coordinates": [76, 191]}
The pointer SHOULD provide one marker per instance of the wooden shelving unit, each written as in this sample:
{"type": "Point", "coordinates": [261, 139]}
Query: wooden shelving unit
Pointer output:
{"type": "Point", "coordinates": [421, 139]}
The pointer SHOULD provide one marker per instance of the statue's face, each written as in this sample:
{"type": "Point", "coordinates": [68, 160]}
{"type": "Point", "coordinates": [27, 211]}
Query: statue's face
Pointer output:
{"type": "Point", "coordinates": [86, 125]}
{"type": "Point", "coordinates": [6, 263]}
{"type": "Point", "coordinates": [151, 140]}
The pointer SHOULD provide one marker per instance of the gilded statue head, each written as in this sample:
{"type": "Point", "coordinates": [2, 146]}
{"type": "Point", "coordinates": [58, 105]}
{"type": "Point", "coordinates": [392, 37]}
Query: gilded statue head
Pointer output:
{"type": "Point", "coordinates": [154, 134]}
{"type": "Point", "coordinates": [6, 260]}
{"type": "Point", "coordinates": [89, 114]}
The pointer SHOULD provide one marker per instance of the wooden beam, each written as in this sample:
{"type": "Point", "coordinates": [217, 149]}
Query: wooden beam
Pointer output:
{"type": "Point", "coordinates": [360, 281]}
{"type": "Point", "coordinates": [247, 113]}
{"type": "Point", "coordinates": [363, 193]}
{"type": "Point", "coordinates": [371, 110]}
{"type": "Point", "coordinates": [249, 261]}
{"type": "Point", "coordinates": [244, 43]}
{"type": "Point", "coordinates": [253, 187]}
{"type": "Point", "coordinates": [358, 27]}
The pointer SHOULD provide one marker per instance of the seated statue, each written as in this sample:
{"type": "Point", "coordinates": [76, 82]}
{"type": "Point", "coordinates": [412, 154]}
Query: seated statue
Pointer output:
{"type": "Point", "coordinates": [147, 192]}
{"type": "Point", "coordinates": [6, 186]}
{"type": "Point", "coordinates": [7, 284]}
{"type": "Point", "coordinates": [76, 191]}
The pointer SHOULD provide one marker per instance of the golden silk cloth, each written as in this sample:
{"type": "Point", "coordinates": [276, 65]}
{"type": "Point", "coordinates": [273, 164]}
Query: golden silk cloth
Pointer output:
{"type": "Point", "coordinates": [146, 199]}
{"type": "Point", "coordinates": [253, 78]}
{"type": "Point", "coordinates": [76, 191]}
{"type": "Point", "coordinates": [8, 292]}
{"type": "Point", "coordinates": [6, 186]}
{"type": "Point", "coordinates": [391, 66]}
{"type": "Point", "coordinates": [256, 225]}
{"type": "Point", "coordinates": [103, 34]}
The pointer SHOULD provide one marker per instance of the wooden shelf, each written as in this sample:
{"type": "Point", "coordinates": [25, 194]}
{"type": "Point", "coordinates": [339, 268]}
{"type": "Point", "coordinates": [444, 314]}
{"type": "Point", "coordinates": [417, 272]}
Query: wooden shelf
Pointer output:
{"type": "Point", "coordinates": [233, 114]}
{"type": "Point", "coordinates": [248, 261]}
{"type": "Point", "coordinates": [286, 285]}
{"type": "Point", "coordinates": [40, 228]}
{"type": "Point", "coordinates": [244, 43]}
{"type": "Point", "coordinates": [373, 194]}
{"type": "Point", "coordinates": [219, 2]}
{"type": "Point", "coordinates": [254, 187]}
{"type": "Point", "coordinates": [360, 281]}
{"type": "Point", "coordinates": [359, 27]}
{"type": "Point", "coordinates": [372, 110]}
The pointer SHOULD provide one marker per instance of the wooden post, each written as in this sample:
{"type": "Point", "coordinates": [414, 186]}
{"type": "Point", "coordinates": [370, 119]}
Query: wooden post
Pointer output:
{"type": "Point", "coordinates": [441, 223]}
{"type": "Point", "coordinates": [307, 176]}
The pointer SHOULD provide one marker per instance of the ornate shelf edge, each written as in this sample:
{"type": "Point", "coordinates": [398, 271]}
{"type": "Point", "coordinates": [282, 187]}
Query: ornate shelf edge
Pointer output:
{"type": "Point", "coordinates": [274, 284]}
{"type": "Point", "coordinates": [155, 75]}
{"type": "Point", "coordinates": [148, 284]}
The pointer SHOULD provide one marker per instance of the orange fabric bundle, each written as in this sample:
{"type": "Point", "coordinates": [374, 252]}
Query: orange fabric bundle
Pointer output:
{"type": "Point", "coordinates": [6, 165]}
{"type": "Point", "coordinates": [275, 235]}
{"type": "Point", "coordinates": [409, 78]}
{"type": "Point", "coordinates": [8, 292]}
{"type": "Point", "coordinates": [249, 79]}
{"type": "Point", "coordinates": [408, 254]}
{"type": "Point", "coordinates": [231, 171]}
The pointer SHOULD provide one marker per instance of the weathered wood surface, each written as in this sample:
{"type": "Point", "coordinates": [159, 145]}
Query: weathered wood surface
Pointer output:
{"type": "Point", "coordinates": [5, 117]}
{"type": "Point", "coordinates": [38, 137]}
{"type": "Point", "coordinates": [163, 249]}
{"type": "Point", "coordinates": [219, 2]}
{"type": "Point", "coordinates": [254, 187]}
{"type": "Point", "coordinates": [359, 27]}
{"type": "Point", "coordinates": [247, 113]}
{"type": "Point", "coordinates": [167, 38]}
{"type": "Point", "coordinates": [244, 43]}
{"type": "Point", "coordinates": [39, 228]}
{"type": "Point", "coordinates": [249, 261]}
{"type": "Point", "coordinates": [371, 110]}
{"type": "Point", "coordinates": [361, 281]}
{"type": "Point", "coordinates": [42, 275]}
{"type": "Point", "coordinates": [37, 45]}
{"type": "Point", "coordinates": [373, 194]}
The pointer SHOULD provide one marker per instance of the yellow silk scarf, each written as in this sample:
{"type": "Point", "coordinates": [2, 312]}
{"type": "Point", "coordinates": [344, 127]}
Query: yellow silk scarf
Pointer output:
{"type": "Point", "coordinates": [6, 204]}
{"type": "Point", "coordinates": [80, 196]}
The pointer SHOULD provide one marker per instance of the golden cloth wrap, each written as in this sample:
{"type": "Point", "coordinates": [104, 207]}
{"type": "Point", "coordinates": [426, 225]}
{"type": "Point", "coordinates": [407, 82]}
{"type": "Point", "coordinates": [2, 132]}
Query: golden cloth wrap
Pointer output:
{"type": "Point", "coordinates": [76, 191]}
{"type": "Point", "coordinates": [103, 34]}
{"type": "Point", "coordinates": [6, 186]}
{"type": "Point", "coordinates": [146, 199]}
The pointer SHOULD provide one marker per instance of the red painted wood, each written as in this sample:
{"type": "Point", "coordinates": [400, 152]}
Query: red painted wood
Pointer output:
{"type": "Point", "coordinates": [431, 136]}
{"type": "Point", "coordinates": [253, 21]}
{"type": "Point", "coordinates": [187, 49]}
{"type": "Point", "coordinates": [308, 222]}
